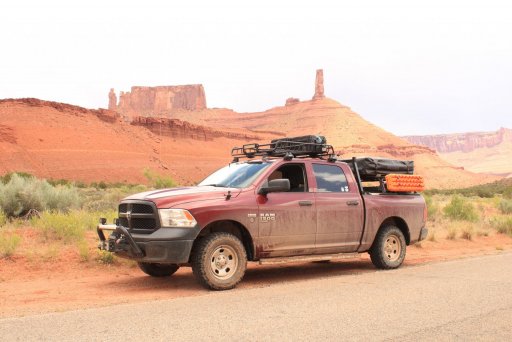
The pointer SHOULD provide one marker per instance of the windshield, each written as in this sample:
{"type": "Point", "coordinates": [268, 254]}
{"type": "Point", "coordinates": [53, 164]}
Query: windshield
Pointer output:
{"type": "Point", "coordinates": [236, 175]}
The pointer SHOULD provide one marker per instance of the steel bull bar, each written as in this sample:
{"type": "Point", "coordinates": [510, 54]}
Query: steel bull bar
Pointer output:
{"type": "Point", "coordinates": [121, 231]}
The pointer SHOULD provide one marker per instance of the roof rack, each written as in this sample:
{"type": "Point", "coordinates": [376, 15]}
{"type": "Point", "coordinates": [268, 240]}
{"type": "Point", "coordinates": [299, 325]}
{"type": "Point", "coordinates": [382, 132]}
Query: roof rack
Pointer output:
{"type": "Point", "coordinates": [313, 146]}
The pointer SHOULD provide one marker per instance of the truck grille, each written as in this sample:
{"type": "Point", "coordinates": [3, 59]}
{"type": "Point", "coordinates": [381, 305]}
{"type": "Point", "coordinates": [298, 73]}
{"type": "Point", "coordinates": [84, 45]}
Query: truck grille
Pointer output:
{"type": "Point", "coordinates": [138, 216]}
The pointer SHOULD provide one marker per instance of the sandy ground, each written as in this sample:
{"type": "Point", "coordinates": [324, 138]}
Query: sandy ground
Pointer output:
{"type": "Point", "coordinates": [28, 287]}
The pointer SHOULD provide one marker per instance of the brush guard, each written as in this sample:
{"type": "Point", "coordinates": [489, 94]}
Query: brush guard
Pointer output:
{"type": "Point", "coordinates": [120, 240]}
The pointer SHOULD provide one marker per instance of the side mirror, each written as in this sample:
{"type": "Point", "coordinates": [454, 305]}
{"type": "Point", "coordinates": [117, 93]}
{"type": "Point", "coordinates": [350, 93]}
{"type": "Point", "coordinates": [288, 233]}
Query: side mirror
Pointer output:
{"type": "Point", "coordinates": [275, 185]}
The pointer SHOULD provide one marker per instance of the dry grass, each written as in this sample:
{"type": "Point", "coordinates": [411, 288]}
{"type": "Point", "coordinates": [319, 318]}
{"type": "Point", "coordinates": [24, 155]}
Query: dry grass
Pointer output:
{"type": "Point", "coordinates": [9, 242]}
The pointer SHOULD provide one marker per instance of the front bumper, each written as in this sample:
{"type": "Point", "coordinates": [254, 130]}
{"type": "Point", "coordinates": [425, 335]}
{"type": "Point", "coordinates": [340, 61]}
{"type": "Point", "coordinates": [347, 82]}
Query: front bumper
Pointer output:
{"type": "Point", "coordinates": [166, 245]}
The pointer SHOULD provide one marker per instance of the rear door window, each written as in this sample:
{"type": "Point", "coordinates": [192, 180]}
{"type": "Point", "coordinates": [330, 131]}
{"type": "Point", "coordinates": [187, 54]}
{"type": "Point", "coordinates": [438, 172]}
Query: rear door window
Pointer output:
{"type": "Point", "coordinates": [330, 178]}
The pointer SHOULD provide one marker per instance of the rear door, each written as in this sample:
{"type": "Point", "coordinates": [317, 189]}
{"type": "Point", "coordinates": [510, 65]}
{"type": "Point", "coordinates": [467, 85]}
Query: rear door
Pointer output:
{"type": "Point", "coordinates": [287, 220]}
{"type": "Point", "coordinates": [339, 209]}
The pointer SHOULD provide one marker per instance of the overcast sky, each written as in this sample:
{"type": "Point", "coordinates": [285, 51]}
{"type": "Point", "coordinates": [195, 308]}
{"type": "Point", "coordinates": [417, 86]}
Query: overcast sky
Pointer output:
{"type": "Point", "coordinates": [411, 67]}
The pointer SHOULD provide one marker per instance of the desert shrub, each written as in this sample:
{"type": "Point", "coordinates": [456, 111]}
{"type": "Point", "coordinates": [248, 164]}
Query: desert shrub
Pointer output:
{"type": "Point", "coordinates": [105, 257]}
{"type": "Point", "coordinates": [106, 199]}
{"type": "Point", "coordinates": [432, 236]}
{"type": "Point", "coordinates": [157, 181]}
{"type": "Point", "coordinates": [503, 225]}
{"type": "Point", "coordinates": [3, 218]}
{"type": "Point", "coordinates": [452, 234]}
{"type": "Point", "coordinates": [467, 233]}
{"type": "Point", "coordinates": [432, 207]}
{"type": "Point", "coordinates": [68, 227]}
{"type": "Point", "coordinates": [503, 186]}
{"type": "Point", "coordinates": [21, 194]}
{"type": "Point", "coordinates": [83, 250]}
{"type": "Point", "coordinates": [7, 177]}
{"type": "Point", "coordinates": [507, 193]}
{"type": "Point", "coordinates": [8, 244]}
{"type": "Point", "coordinates": [460, 209]}
{"type": "Point", "coordinates": [505, 206]}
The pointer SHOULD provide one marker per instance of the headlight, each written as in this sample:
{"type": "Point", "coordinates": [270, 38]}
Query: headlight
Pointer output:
{"type": "Point", "coordinates": [176, 218]}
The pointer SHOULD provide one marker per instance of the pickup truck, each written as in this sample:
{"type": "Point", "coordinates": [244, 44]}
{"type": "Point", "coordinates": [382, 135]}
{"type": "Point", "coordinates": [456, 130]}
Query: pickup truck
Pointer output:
{"type": "Point", "coordinates": [297, 202]}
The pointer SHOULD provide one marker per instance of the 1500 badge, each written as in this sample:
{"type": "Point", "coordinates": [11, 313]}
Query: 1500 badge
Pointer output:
{"type": "Point", "coordinates": [267, 217]}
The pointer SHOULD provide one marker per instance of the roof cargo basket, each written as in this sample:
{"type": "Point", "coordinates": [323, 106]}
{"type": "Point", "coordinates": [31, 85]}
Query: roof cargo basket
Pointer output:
{"type": "Point", "coordinates": [314, 146]}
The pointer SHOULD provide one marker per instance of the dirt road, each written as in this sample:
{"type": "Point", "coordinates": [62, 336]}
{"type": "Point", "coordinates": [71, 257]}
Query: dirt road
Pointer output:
{"type": "Point", "coordinates": [468, 299]}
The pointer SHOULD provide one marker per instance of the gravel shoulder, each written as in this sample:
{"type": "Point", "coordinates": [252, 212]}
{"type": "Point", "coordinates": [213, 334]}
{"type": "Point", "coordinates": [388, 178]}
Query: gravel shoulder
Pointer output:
{"type": "Point", "coordinates": [29, 288]}
{"type": "Point", "coordinates": [467, 299]}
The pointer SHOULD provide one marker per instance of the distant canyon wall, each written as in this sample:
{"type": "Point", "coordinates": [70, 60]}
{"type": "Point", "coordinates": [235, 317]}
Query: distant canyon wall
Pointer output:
{"type": "Point", "coordinates": [464, 142]}
{"type": "Point", "coordinates": [158, 101]}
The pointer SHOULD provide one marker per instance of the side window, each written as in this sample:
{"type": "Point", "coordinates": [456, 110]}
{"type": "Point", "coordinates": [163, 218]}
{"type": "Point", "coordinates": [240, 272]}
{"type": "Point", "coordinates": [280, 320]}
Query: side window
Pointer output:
{"type": "Point", "coordinates": [330, 178]}
{"type": "Point", "coordinates": [293, 172]}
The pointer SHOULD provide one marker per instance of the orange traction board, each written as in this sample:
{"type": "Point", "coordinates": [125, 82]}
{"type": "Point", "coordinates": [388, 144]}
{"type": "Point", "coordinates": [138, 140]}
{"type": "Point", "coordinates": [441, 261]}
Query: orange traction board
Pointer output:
{"type": "Point", "coordinates": [404, 183]}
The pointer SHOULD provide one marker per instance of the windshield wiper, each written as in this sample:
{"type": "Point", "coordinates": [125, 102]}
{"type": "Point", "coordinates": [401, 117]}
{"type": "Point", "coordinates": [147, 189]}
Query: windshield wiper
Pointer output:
{"type": "Point", "coordinates": [215, 185]}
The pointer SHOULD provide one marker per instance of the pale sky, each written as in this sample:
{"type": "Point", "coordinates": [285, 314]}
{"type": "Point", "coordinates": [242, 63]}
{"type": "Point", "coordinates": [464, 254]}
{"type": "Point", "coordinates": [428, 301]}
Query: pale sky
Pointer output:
{"type": "Point", "coordinates": [410, 67]}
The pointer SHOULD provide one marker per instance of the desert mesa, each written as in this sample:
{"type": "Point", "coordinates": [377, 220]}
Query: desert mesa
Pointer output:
{"type": "Point", "coordinates": [170, 130]}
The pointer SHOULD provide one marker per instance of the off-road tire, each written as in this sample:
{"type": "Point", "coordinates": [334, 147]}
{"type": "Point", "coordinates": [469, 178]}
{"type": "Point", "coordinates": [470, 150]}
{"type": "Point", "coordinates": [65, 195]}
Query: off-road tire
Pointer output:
{"type": "Point", "coordinates": [158, 270]}
{"type": "Point", "coordinates": [219, 261]}
{"type": "Point", "coordinates": [388, 249]}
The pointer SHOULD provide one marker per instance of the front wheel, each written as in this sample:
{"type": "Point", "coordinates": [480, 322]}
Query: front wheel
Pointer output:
{"type": "Point", "coordinates": [388, 250]}
{"type": "Point", "coordinates": [158, 270]}
{"type": "Point", "coordinates": [219, 261]}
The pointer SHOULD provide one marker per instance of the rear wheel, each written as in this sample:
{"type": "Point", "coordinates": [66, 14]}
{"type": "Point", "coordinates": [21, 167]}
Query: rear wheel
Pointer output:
{"type": "Point", "coordinates": [219, 261]}
{"type": "Point", "coordinates": [158, 270]}
{"type": "Point", "coordinates": [388, 250]}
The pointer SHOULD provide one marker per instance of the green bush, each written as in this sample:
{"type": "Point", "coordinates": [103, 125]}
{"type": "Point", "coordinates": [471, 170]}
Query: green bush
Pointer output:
{"type": "Point", "coordinates": [505, 206]}
{"type": "Point", "coordinates": [507, 193]}
{"type": "Point", "coordinates": [21, 194]}
{"type": "Point", "coordinates": [157, 181]}
{"type": "Point", "coordinates": [68, 227]}
{"type": "Point", "coordinates": [8, 244]}
{"type": "Point", "coordinates": [503, 226]}
{"type": "Point", "coordinates": [460, 209]}
{"type": "Point", "coordinates": [7, 177]}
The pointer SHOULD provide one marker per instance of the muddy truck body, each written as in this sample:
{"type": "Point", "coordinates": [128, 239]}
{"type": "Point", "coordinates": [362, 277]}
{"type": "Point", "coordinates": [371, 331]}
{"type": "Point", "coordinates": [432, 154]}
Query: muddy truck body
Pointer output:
{"type": "Point", "coordinates": [297, 202]}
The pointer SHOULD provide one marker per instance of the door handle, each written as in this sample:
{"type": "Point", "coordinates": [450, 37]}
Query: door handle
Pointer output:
{"type": "Point", "coordinates": [352, 202]}
{"type": "Point", "coordinates": [305, 203]}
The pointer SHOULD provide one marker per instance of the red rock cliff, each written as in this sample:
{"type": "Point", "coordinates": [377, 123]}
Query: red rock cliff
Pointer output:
{"type": "Point", "coordinates": [465, 142]}
{"type": "Point", "coordinates": [158, 101]}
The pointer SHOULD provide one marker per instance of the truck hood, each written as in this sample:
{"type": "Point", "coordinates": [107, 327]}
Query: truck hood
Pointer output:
{"type": "Point", "coordinates": [166, 198]}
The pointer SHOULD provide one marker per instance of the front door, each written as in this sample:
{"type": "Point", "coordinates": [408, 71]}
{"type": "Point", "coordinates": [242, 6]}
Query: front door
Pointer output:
{"type": "Point", "coordinates": [339, 211]}
{"type": "Point", "coordinates": [287, 220]}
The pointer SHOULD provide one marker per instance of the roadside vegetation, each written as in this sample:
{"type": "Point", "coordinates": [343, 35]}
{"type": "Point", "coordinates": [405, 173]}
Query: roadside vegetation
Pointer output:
{"type": "Point", "coordinates": [465, 213]}
{"type": "Point", "coordinates": [45, 219]}
{"type": "Point", "coordinates": [39, 218]}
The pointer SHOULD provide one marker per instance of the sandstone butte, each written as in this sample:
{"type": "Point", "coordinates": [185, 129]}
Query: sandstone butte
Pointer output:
{"type": "Point", "coordinates": [485, 152]}
{"type": "Point", "coordinates": [61, 141]}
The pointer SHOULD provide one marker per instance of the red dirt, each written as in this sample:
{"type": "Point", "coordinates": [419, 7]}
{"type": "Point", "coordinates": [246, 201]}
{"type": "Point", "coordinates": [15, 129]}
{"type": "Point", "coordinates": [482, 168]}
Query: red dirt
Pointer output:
{"type": "Point", "coordinates": [64, 283]}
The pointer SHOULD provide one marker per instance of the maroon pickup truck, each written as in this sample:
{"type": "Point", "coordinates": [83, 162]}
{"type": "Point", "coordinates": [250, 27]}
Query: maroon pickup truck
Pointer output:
{"type": "Point", "coordinates": [291, 200]}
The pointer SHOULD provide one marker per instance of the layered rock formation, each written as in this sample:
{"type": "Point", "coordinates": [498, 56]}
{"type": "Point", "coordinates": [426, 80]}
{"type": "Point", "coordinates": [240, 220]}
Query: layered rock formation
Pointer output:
{"type": "Point", "coordinates": [463, 142]}
{"type": "Point", "coordinates": [179, 129]}
{"type": "Point", "coordinates": [159, 101]}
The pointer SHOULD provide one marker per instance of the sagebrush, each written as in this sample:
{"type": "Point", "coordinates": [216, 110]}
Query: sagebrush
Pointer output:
{"type": "Point", "coordinates": [505, 206]}
{"type": "Point", "coordinates": [21, 194]}
{"type": "Point", "coordinates": [460, 208]}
